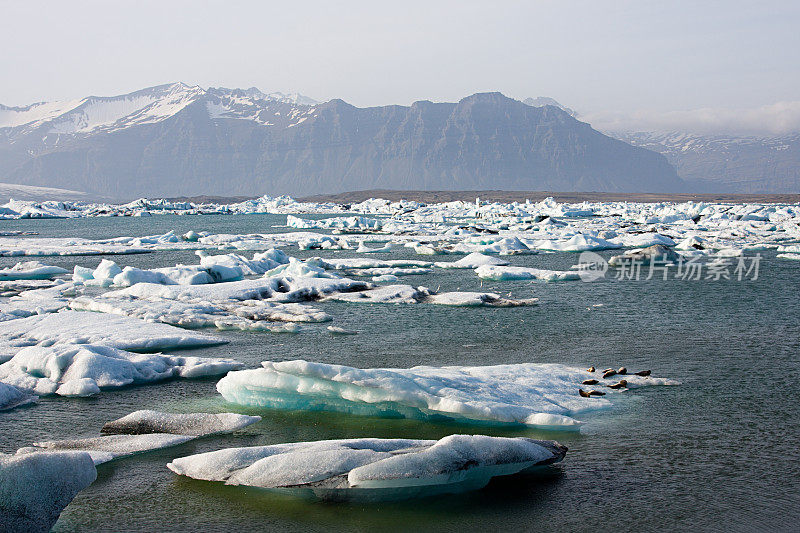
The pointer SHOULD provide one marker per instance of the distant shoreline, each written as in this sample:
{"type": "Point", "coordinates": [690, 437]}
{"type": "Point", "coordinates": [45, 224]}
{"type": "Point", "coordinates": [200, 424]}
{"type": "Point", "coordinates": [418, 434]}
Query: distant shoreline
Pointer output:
{"type": "Point", "coordinates": [518, 196]}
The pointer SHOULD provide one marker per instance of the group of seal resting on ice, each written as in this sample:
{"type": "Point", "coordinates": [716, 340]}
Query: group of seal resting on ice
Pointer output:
{"type": "Point", "coordinates": [607, 373]}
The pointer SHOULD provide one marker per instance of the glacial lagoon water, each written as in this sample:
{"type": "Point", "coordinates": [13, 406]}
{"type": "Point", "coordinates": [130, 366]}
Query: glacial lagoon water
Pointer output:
{"type": "Point", "coordinates": [717, 452]}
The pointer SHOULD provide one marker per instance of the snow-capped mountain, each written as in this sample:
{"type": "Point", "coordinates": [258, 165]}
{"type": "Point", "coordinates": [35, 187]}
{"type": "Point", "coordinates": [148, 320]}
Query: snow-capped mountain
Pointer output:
{"type": "Point", "coordinates": [718, 163]}
{"type": "Point", "coordinates": [176, 140]}
{"type": "Point", "coordinates": [96, 114]}
{"type": "Point", "coordinates": [541, 101]}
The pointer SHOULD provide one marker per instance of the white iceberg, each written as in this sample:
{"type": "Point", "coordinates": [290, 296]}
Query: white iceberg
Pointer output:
{"type": "Point", "coordinates": [30, 270]}
{"type": "Point", "coordinates": [372, 469]}
{"type": "Point", "coordinates": [36, 487]}
{"type": "Point", "coordinates": [538, 395]}
{"type": "Point", "coordinates": [82, 370]}
{"type": "Point", "coordinates": [476, 299]}
{"type": "Point", "coordinates": [109, 447]}
{"type": "Point", "coordinates": [11, 396]}
{"type": "Point", "coordinates": [80, 327]}
{"type": "Point", "coordinates": [795, 257]}
{"type": "Point", "coordinates": [249, 315]}
{"type": "Point", "coordinates": [500, 273]}
{"type": "Point", "coordinates": [195, 424]}
{"type": "Point", "coordinates": [473, 260]}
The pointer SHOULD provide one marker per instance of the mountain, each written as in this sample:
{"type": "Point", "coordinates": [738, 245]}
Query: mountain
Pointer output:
{"type": "Point", "coordinates": [727, 163]}
{"type": "Point", "coordinates": [180, 140]}
{"type": "Point", "coordinates": [541, 101]}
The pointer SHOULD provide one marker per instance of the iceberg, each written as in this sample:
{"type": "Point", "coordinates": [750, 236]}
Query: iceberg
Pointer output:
{"type": "Point", "coordinates": [249, 315]}
{"type": "Point", "coordinates": [349, 263]}
{"type": "Point", "coordinates": [372, 469]}
{"type": "Point", "coordinates": [11, 396]}
{"type": "Point", "coordinates": [500, 273]}
{"type": "Point", "coordinates": [36, 487]}
{"type": "Point", "coordinates": [658, 253]}
{"type": "Point", "coordinates": [85, 369]}
{"type": "Point", "coordinates": [537, 395]}
{"type": "Point", "coordinates": [109, 447]}
{"type": "Point", "coordinates": [473, 260]}
{"type": "Point", "coordinates": [31, 270]}
{"type": "Point", "coordinates": [81, 327]}
{"type": "Point", "coordinates": [195, 424]}
{"type": "Point", "coordinates": [477, 299]}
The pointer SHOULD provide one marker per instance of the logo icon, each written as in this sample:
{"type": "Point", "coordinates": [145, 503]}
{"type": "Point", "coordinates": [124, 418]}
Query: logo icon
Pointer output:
{"type": "Point", "coordinates": [591, 266]}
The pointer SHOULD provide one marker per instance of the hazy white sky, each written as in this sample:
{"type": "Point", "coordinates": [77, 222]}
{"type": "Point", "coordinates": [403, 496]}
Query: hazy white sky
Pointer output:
{"type": "Point", "coordinates": [595, 56]}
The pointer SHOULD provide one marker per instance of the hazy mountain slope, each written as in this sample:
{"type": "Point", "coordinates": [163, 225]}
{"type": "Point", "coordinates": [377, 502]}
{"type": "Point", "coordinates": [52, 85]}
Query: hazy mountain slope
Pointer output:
{"type": "Point", "coordinates": [179, 140]}
{"type": "Point", "coordinates": [728, 164]}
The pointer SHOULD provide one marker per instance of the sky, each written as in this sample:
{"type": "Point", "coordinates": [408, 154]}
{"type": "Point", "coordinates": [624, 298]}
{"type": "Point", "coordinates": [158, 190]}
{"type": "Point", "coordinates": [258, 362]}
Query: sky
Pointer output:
{"type": "Point", "coordinates": [620, 64]}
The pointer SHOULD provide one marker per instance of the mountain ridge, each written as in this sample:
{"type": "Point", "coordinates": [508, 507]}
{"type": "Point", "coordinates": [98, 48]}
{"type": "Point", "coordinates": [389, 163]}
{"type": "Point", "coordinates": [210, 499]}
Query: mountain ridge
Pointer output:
{"type": "Point", "coordinates": [178, 140]}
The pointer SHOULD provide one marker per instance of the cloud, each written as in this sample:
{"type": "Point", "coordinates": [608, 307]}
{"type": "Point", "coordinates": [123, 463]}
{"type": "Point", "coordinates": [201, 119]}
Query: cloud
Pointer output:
{"type": "Point", "coordinates": [774, 119]}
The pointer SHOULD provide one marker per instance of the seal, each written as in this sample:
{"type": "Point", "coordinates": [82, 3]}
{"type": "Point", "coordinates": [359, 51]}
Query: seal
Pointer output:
{"type": "Point", "coordinates": [622, 370]}
{"type": "Point", "coordinates": [608, 373]}
{"type": "Point", "coordinates": [643, 373]}
{"type": "Point", "coordinates": [621, 384]}
{"type": "Point", "coordinates": [596, 393]}
{"type": "Point", "coordinates": [591, 369]}
{"type": "Point", "coordinates": [583, 393]}
{"type": "Point", "coordinates": [590, 382]}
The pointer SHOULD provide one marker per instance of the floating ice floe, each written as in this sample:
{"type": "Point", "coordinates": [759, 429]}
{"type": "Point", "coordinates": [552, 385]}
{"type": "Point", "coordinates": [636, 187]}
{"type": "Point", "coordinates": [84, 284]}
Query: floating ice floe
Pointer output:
{"type": "Point", "coordinates": [408, 294]}
{"type": "Point", "coordinates": [372, 469]}
{"type": "Point", "coordinates": [336, 330]}
{"type": "Point", "coordinates": [248, 315]}
{"type": "Point", "coordinates": [260, 264]}
{"type": "Point", "coordinates": [539, 395]}
{"type": "Point", "coordinates": [658, 253]}
{"type": "Point", "coordinates": [109, 447]}
{"type": "Point", "coordinates": [196, 424]}
{"type": "Point", "coordinates": [477, 299]}
{"type": "Point", "coordinates": [11, 396]}
{"type": "Point", "coordinates": [79, 327]}
{"type": "Point", "coordinates": [36, 487]}
{"type": "Point", "coordinates": [473, 260]}
{"type": "Point", "coordinates": [30, 270]}
{"type": "Point", "coordinates": [493, 245]}
{"type": "Point", "coordinates": [351, 263]}
{"type": "Point", "coordinates": [12, 288]}
{"type": "Point", "coordinates": [577, 243]}
{"type": "Point", "coordinates": [500, 273]}
{"type": "Point", "coordinates": [795, 257]}
{"type": "Point", "coordinates": [85, 369]}
{"type": "Point", "coordinates": [22, 246]}
{"type": "Point", "coordinates": [392, 272]}
{"type": "Point", "coordinates": [145, 431]}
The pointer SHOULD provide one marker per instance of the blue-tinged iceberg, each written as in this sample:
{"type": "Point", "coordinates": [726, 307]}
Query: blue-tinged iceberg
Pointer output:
{"type": "Point", "coordinates": [538, 395]}
{"type": "Point", "coordinates": [36, 487]}
{"type": "Point", "coordinates": [372, 469]}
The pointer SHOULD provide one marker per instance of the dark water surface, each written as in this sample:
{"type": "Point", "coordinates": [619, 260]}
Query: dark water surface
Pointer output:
{"type": "Point", "coordinates": [718, 452]}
